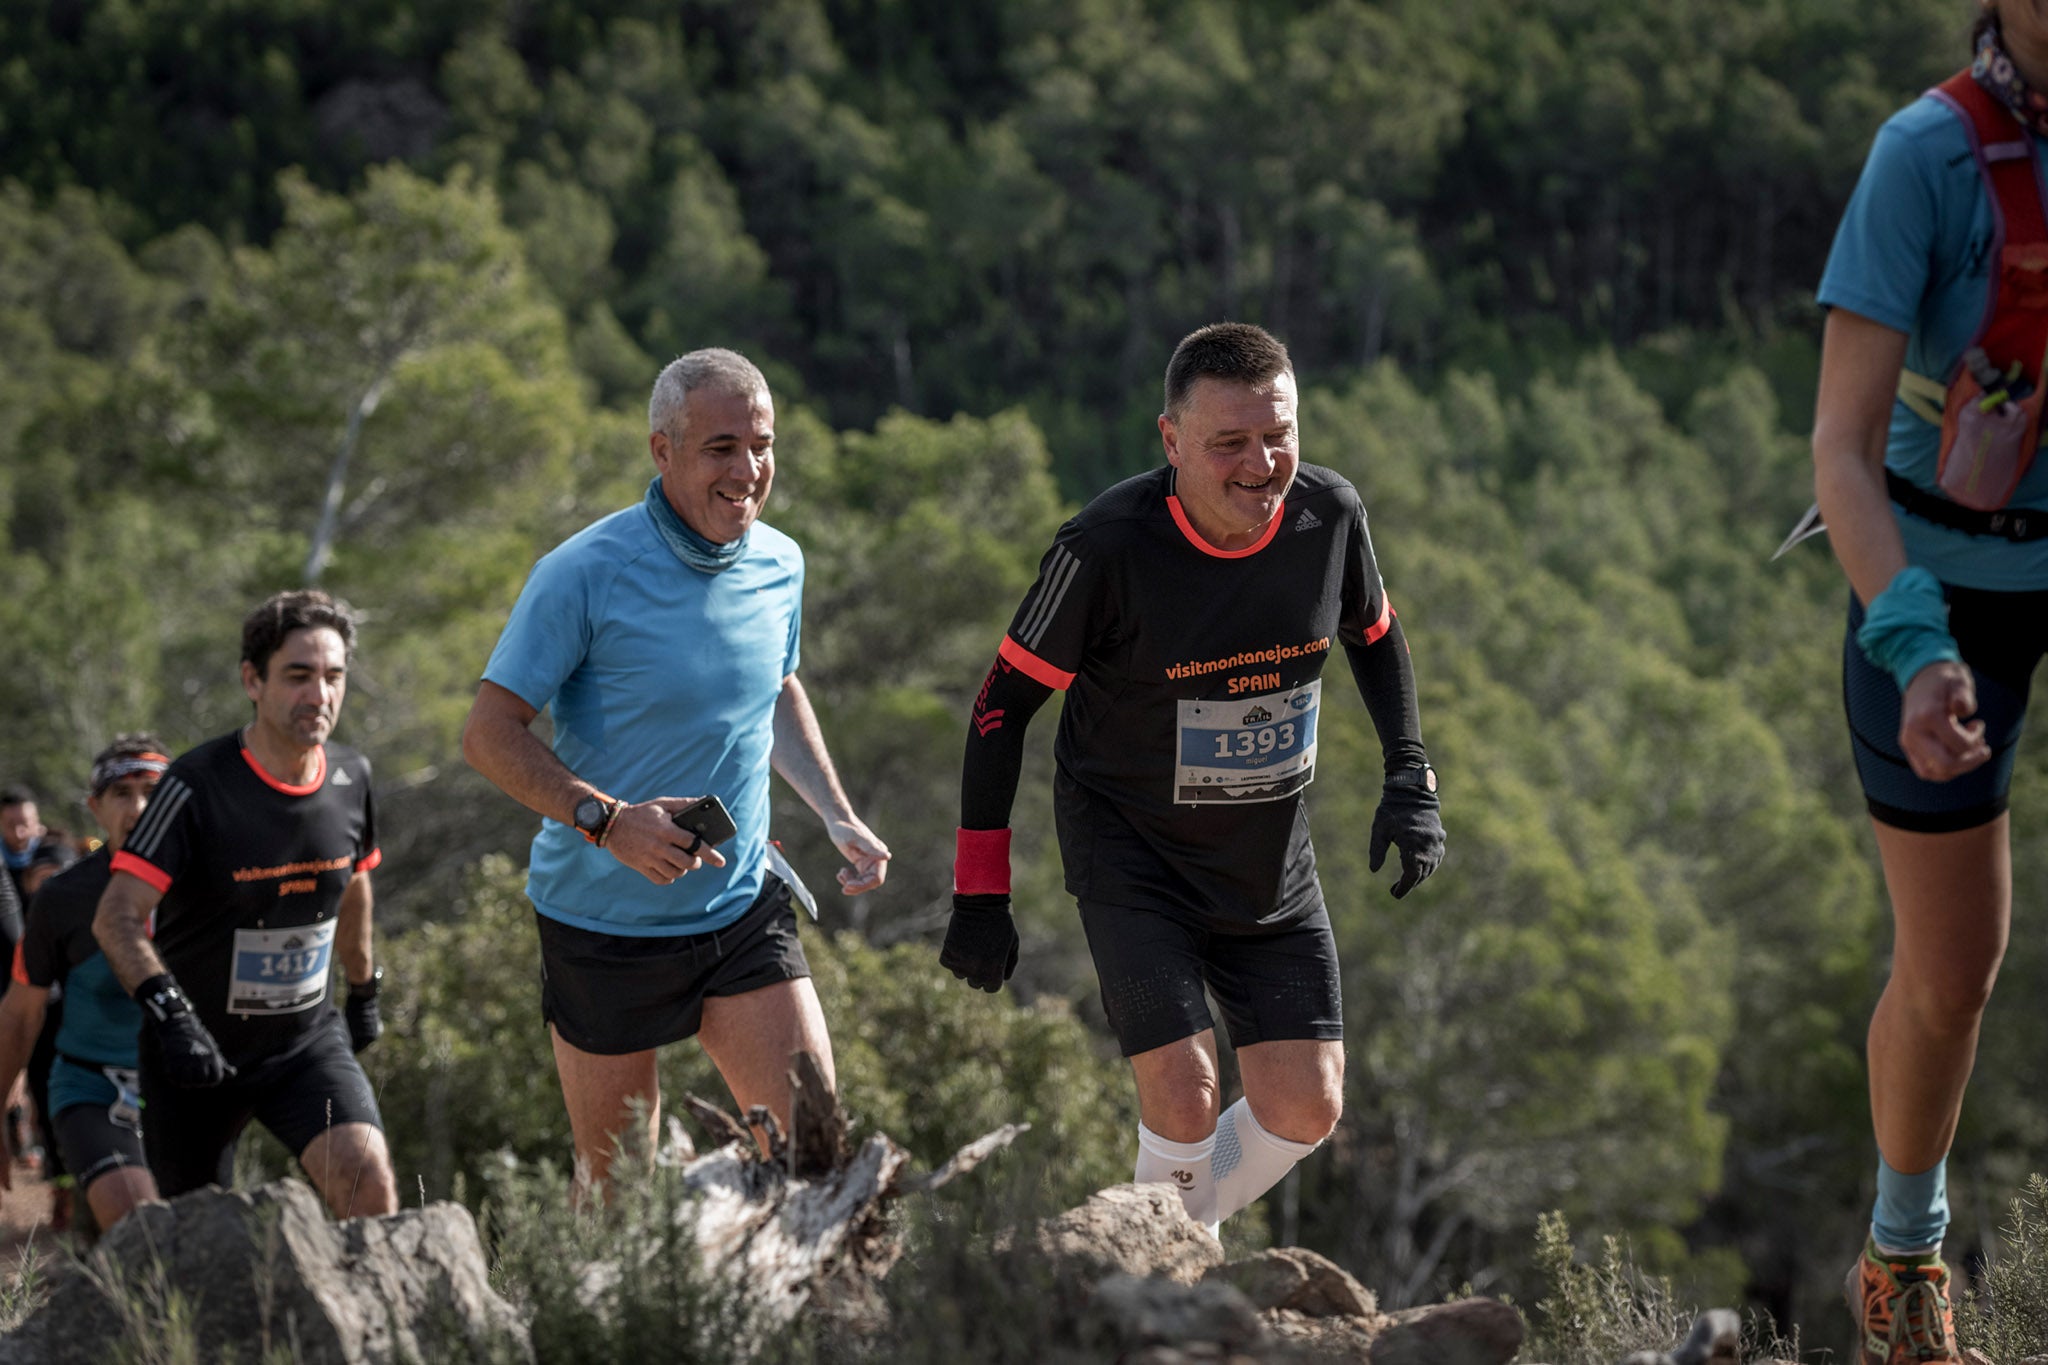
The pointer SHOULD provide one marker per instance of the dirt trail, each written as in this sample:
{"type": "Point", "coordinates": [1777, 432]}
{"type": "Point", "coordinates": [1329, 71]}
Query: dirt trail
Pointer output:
{"type": "Point", "coordinates": [25, 1222]}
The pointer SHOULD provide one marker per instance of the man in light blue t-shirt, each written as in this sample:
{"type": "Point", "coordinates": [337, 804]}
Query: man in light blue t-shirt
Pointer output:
{"type": "Point", "coordinates": [665, 638]}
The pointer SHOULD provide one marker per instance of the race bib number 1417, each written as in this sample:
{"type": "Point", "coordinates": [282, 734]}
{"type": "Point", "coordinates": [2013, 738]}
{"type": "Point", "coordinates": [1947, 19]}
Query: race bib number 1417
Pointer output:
{"type": "Point", "coordinates": [280, 971]}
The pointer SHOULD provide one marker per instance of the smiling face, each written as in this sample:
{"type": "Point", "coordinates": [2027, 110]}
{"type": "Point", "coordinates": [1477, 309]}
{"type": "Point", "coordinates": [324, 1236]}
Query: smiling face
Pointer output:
{"type": "Point", "coordinates": [1235, 448]}
{"type": "Point", "coordinates": [716, 471]}
{"type": "Point", "coordinates": [298, 697]}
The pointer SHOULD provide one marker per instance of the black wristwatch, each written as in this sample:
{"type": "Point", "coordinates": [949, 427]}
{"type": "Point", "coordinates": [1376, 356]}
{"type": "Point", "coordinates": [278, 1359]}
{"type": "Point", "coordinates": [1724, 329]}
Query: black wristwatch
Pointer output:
{"type": "Point", "coordinates": [367, 990]}
{"type": "Point", "coordinates": [1423, 777]}
{"type": "Point", "coordinates": [594, 815]}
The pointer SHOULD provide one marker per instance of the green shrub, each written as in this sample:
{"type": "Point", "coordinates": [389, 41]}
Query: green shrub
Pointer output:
{"type": "Point", "coordinates": [465, 1073]}
{"type": "Point", "coordinates": [2008, 1318]}
{"type": "Point", "coordinates": [660, 1304]}
{"type": "Point", "coordinates": [1596, 1314]}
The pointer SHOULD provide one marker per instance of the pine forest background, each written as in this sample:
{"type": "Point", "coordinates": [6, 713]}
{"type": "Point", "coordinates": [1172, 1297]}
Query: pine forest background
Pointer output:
{"type": "Point", "coordinates": [1547, 267]}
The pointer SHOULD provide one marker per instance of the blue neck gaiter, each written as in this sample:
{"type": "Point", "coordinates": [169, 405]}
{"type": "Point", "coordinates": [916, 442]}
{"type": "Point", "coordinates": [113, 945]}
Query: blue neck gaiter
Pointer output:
{"type": "Point", "coordinates": [20, 860]}
{"type": "Point", "coordinates": [705, 556]}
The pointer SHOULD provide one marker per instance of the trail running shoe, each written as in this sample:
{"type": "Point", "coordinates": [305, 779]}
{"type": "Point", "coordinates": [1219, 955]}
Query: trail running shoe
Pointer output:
{"type": "Point", "coordinates": [1901, 1309]}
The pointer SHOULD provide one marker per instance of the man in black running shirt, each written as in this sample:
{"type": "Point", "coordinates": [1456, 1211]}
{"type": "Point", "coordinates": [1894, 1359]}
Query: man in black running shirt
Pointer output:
{"type": "Point", "coordinates": [1187, 614]}
{"type": "Point", "coordinates": [255, 856]}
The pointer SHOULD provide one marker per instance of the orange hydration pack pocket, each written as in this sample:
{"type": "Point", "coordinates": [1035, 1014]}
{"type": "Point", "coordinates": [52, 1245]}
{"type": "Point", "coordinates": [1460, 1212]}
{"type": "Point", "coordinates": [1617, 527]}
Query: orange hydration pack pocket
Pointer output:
{"type": "Point", "coordinates": [1991, 414]}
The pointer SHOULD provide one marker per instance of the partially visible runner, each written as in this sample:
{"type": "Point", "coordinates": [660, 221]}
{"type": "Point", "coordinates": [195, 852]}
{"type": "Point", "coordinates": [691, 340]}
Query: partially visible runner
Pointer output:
{"type": "Point", "coordinates": [32, 852]}
{"type": "Point", "coordinates": [21, 831]}
{"type": "Point", "coordinates": [95, 1096]}
{"type": "Point", "coordinates": [1948, 617]}
{"type": "Point", "coordinates": [21, 1142]}
{"type": "Point", "coordinates": [1187, 614]}
{"type": "Point", "coordinates": [255, 857]}
{"type": "Point", "coordinates": [664, 638]}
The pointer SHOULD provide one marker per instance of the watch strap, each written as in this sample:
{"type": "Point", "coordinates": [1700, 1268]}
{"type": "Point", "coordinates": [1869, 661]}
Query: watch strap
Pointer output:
{"type": "Point", "coordinates": [1422, 775]}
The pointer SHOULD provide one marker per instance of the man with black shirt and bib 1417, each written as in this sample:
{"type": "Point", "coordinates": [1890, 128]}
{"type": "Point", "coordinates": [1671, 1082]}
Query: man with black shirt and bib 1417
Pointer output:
{"type": "Point", "coordinates": [255, 856]}
{"type": "Point", "coordinates": [95, 1103]}
{"type": "Point", "coordinates": [1187, 614]}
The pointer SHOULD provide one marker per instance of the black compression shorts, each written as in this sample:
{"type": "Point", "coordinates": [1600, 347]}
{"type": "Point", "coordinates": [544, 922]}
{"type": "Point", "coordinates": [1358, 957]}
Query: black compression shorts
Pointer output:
{"type": "Point", "coordinates": [613, 994]}
{"type": "Point", "coordinates": [1270, 985]}
{"type": "Point", "coordinates": [190, 1134]}
{"type": "Point", "coordinates": [95, 1143]}
{"type": "Point", "coordinates": [2002, 636]}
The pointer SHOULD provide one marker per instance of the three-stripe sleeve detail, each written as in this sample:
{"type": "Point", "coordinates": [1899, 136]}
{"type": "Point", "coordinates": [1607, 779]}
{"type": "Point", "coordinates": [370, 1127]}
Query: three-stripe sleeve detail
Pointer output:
{"type": "Point", "coordinates": [165, 803]}
{"type": "Point", "coordinates": [1057, 580]}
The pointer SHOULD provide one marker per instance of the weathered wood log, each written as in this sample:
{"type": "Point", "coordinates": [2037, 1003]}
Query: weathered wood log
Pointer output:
{"type": "Point", "coordinates": [778, 1226]}
{"type": "Point", "coordinates": [817, 1125]}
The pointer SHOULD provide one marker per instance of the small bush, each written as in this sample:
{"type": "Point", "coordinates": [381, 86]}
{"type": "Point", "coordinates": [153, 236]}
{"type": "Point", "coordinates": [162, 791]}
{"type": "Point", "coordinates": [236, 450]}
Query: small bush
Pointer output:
{"type": "Point", "coordinates": [2008, 1317]}
{"type": "Point", "coordinates": [652, 1300]}
{"type": "Point", "coordinates": [963, 1291]}
{"type": "Point", "coordinates": [465, 1072]}
{"type": "Point", "coordinates": [1596, 1314]}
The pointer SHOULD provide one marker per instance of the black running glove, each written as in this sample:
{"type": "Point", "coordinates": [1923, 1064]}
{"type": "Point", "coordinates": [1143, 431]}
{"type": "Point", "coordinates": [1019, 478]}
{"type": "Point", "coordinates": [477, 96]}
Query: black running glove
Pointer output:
{"type": "Point", "coordinates": [1408, 819]}
{"type": "Point", "coordinates": [191, 1058]}
{"type": "Point", "coordinates": [365, 1024]}
{"type": "Point", "coordinates": [981, 942]}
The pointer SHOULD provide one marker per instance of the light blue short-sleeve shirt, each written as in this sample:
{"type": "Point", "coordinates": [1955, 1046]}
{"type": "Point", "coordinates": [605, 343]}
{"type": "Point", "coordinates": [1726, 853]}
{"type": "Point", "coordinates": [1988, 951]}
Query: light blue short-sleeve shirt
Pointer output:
{"type": "Point", "coordinates": [662, 680]}
{"type": "Point", "coordinates": [1913, 253]}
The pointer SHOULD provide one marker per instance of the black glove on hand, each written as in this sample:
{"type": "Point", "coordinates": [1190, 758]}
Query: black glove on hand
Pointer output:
{"type": "Point", "coordinates": [981, 942]}
{"type": "Point", "coordinates": [1408, 819]}
{"type": "Point", "coordinates": [191, 1058]}
{"type": "Point", "coordinates": [365, 1024]}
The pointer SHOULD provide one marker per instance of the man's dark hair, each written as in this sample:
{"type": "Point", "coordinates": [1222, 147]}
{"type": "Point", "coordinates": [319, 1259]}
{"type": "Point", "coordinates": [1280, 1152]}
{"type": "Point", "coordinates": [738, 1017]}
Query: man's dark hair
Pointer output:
{"type": "Point", "coordinates": [17, 794]}
{"type": "Point", "coordinates": [130, 744]}
{"type": "Point", "coordinates": [282, 613]}
{"type": "Point", "coordinates": [1236, 351]}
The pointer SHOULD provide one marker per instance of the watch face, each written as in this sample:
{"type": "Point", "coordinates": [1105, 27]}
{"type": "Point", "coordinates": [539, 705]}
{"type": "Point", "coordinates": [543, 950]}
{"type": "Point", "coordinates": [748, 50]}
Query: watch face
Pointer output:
{"type": "Point", "coordinates": [1429, 780]}
{"type": "Point", "coordinates": [589, 811]}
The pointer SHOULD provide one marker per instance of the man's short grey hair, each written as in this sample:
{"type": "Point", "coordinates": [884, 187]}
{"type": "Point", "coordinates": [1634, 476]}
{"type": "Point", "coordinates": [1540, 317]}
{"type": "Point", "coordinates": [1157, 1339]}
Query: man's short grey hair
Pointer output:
{"type": "Point", "coordinates": [715, 369]}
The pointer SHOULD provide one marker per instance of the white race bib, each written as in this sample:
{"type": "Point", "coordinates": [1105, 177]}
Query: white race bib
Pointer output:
{"type": "Point", "coordinates": [1247, 748]}
{"type": "Point", "coordinates": [280, 971]}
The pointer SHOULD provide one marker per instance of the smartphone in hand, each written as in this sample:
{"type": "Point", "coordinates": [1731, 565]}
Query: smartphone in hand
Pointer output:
{"type": "Point", "coordinates": [708, 819]}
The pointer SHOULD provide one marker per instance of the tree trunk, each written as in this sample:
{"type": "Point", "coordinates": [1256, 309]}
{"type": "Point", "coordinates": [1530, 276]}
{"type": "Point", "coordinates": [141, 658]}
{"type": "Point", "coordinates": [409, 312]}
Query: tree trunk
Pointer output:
{"type": "Point", "coordinates": [337, 480]}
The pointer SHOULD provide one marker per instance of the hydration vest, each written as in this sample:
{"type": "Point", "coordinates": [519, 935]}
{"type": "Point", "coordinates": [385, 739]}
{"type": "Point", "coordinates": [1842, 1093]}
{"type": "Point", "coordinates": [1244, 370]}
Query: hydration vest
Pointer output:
{"type": "Point", "coordinates": [1991, 404]}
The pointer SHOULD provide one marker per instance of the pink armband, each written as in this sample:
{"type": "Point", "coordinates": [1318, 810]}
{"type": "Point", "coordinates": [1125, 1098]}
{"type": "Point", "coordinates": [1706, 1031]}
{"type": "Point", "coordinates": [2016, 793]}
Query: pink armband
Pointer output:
{"type": "Point", "coordinates": [981, 862]}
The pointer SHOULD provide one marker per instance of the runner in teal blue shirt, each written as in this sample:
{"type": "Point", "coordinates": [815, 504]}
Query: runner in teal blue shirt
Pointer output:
{"type": "Point", "coordinates": [665, 641]}
{"type": "Point", "coordinates": [1948, 620]}
{"type": "Point", "coordinates": [95, 1104]}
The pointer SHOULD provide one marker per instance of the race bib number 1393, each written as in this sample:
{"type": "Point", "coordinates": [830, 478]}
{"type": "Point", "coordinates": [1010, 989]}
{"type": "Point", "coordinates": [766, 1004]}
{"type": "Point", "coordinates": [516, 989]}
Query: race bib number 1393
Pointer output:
{"type": "Point", "coordinates": [1247, 748]}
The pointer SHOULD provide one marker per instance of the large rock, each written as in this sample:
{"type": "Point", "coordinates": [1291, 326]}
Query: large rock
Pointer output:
{"type": "Point", "coordinates": [1467, 1332]}
{"type": "Point", "coordinates": [1136, 1230]}
{"type": "Point", "coordinates": [267, 1270]}
{"type": "Point", "coordinates": [1298, 1280]}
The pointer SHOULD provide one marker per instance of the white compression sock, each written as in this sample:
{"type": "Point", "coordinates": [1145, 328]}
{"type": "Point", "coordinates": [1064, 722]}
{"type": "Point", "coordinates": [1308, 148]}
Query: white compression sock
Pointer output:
{"type": "Point", "coordinates": [1183, 1165]}
{"type": "Point", "coordinates": [1246, 1160]}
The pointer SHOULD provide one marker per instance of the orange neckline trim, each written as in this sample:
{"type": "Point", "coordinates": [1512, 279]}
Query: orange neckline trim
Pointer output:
{"type": "Point", "coordinates": [1187, 528]}
{"type": "Point", "coordinates": [319, 776]}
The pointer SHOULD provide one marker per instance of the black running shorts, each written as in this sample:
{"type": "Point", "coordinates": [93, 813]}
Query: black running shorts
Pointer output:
{"type": "Point", "coordinates": [613, 994]}
{"type": "Point", "coordinates": [1270, 984]}
{"type": "Point", "coordinates": [95, 1143]}
{"type": "Point", "coordinates": [2001, 636]}
{"type": "Point", "coordinates": [298, 1095]}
